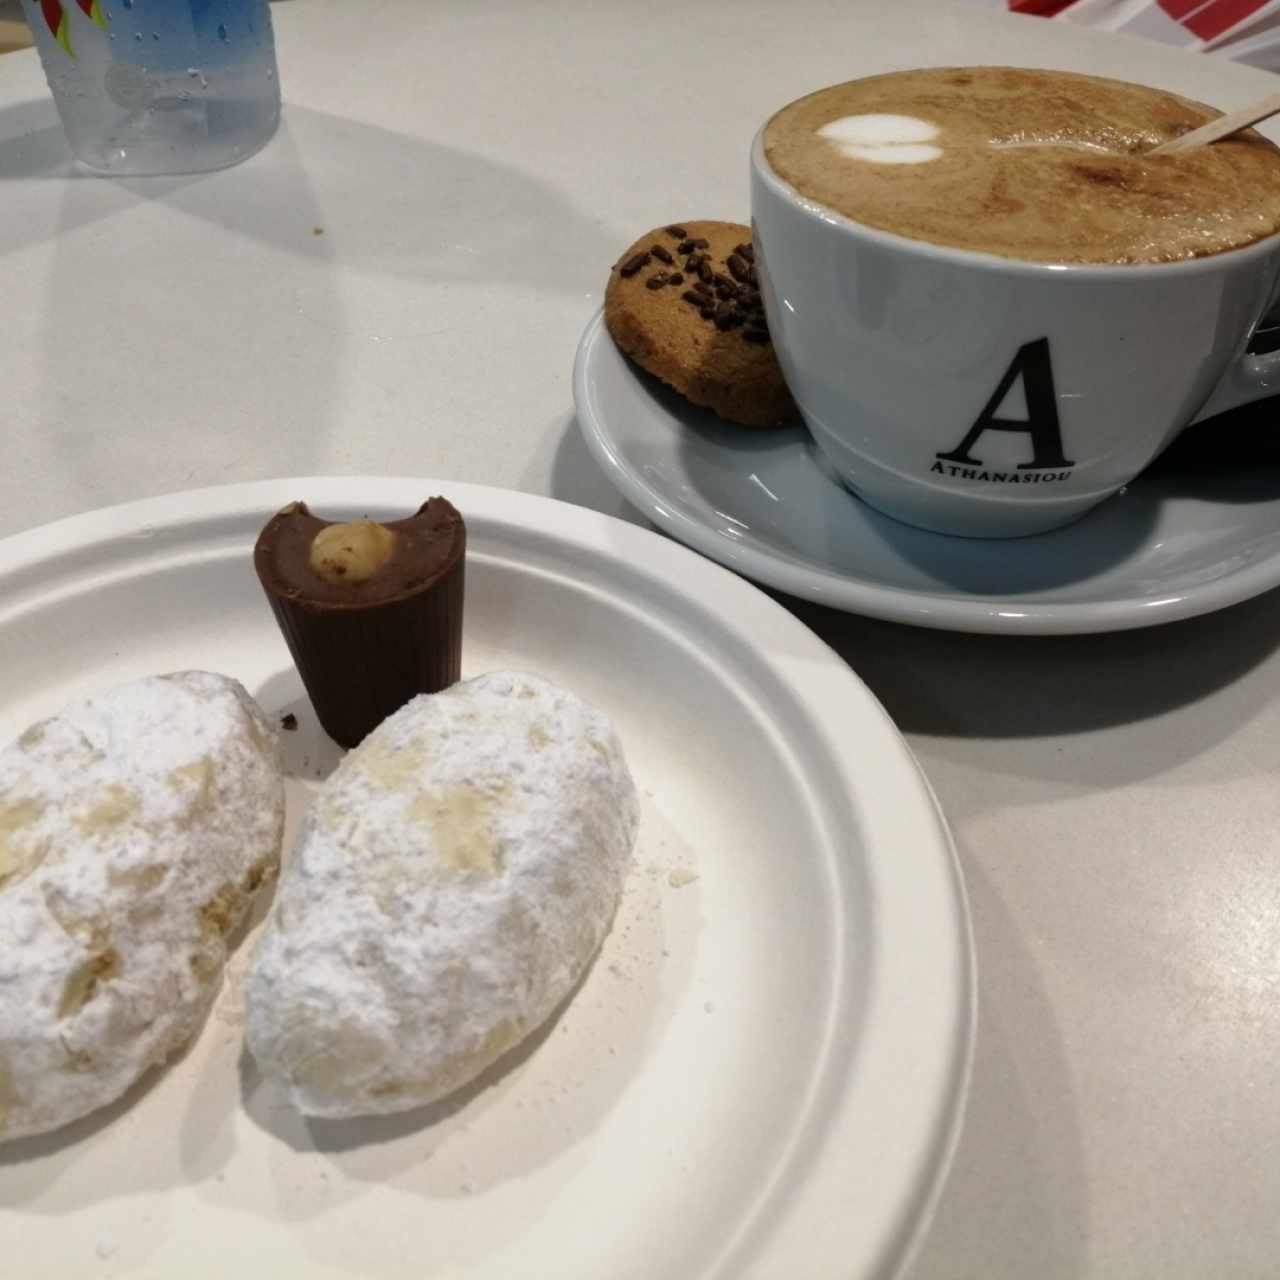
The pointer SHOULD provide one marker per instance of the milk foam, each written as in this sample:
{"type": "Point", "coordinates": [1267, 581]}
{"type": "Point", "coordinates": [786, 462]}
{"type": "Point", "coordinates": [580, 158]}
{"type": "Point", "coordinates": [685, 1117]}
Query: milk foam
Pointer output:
{"type": "Point", "coordinates": [883, 139]}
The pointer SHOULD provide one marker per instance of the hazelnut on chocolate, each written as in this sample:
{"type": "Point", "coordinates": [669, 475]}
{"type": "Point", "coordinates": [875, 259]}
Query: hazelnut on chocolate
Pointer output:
{"type": "Point", "coordinates": [371, 611]}
{"type": "Point", "coordinates": [351, 552]}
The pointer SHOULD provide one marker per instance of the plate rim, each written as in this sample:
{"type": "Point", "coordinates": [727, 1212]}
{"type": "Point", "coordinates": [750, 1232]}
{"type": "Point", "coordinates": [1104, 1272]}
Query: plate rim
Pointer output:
{"type": "Point", "coordinates": [975, 614]}
{"type": "Point", "coordinates": [923, 873]}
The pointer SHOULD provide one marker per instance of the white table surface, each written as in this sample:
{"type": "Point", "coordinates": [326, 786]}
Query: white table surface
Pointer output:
{"type": "Point", "coordinates": [397, 285]}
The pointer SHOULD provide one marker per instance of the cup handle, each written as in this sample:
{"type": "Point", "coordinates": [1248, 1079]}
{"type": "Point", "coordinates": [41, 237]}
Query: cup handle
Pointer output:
{"type": "Point", "coordinates": [1252, 377]}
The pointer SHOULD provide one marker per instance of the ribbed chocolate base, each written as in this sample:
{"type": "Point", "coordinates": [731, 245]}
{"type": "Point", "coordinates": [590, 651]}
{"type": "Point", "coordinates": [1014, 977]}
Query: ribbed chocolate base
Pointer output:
{"type": "Point", "coordinates": [360, 665]}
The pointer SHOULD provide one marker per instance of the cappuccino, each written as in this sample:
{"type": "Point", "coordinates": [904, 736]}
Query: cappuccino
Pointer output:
{"type": "Point", "coordinates": [1043, 166]}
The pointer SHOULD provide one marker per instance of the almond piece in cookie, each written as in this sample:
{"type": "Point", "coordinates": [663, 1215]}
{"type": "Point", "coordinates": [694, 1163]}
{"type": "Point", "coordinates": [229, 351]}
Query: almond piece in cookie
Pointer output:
{"type": "Point", "coordinates": [684, 304]}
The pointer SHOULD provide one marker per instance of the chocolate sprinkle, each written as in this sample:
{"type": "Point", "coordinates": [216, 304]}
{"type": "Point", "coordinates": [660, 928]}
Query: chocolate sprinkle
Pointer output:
{"type": "Point", "coordinates": [730, 301]}
{"type": "Point", "coordinates": [289, 722]}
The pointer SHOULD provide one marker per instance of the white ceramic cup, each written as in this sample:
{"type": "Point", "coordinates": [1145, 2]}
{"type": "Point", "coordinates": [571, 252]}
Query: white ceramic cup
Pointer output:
{"type": "Point", "coordinates": [976, 395]}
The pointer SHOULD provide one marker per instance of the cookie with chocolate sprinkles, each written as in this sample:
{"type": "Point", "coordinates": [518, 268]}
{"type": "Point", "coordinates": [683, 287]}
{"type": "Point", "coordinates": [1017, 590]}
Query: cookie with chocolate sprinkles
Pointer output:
{"type": "Point", "coordinates": [684, 303]}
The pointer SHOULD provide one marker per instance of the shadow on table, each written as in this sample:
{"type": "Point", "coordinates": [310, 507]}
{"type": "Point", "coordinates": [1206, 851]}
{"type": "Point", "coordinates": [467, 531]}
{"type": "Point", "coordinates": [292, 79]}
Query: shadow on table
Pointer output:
{"type": "Point", "coordinates": [565, 468]}
{"type": "Point", "coordinates": [1016, 1201]}
{"type": "Point", "coordinates": [459, 215]}
{"type": "Point", "coordinates": [32, 144]}
{"type": "Point", "coordinates": [949, 684]}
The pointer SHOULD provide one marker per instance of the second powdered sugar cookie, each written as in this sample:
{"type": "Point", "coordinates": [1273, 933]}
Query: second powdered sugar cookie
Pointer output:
{"type": "Point", "coordinates": [452, 882]}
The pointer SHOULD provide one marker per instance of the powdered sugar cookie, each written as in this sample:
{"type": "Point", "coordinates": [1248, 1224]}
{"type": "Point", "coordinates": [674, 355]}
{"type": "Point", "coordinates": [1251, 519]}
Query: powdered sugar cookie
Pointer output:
{"type": "Point", "coordinates": [135, 829]}
{"type": "Point", "coordinates": [452, 882]}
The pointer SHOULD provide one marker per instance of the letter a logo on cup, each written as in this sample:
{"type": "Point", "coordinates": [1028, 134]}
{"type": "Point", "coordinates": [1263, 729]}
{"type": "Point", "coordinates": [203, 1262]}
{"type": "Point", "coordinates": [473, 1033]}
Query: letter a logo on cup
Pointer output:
{"type": "Point", "coordinates": [1033, 366]}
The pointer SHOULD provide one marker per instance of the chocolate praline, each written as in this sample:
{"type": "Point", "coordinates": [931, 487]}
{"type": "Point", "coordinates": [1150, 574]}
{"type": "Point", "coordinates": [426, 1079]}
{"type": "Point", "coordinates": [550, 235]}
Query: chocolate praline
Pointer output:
{"type": "Point", "coordinates": [371, 612]}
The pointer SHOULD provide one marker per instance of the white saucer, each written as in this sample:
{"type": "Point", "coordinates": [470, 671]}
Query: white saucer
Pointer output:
{"type": "Point", "coordinates": [1173, 545]}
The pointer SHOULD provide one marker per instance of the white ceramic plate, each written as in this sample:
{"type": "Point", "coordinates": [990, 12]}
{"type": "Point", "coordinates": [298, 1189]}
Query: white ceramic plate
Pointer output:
{"type": "Point", "coordinates": [762, 502]}
{"type": "Point", "coordinates": [762, 1074]}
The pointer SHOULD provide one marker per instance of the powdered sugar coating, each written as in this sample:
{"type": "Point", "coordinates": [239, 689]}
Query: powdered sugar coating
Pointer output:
{"type": "Point", "coordinates": [135, 828]}
{"type": "Point", "coordinates": [450, 885]}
